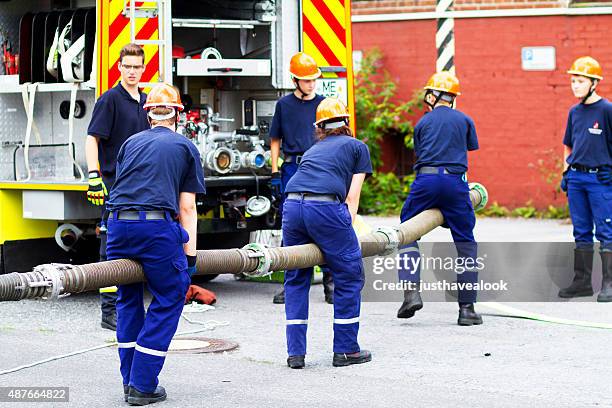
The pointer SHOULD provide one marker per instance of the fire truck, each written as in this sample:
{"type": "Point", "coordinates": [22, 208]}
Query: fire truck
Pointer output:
{"type": "Point", "coordinates": [228, 58]}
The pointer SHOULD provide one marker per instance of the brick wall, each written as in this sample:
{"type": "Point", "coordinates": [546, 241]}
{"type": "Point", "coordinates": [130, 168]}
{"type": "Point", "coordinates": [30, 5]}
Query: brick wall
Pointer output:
{"type": "Point", "coordinates": [412, 6]}
{"type": "Point", "coordinates": [520, 115]}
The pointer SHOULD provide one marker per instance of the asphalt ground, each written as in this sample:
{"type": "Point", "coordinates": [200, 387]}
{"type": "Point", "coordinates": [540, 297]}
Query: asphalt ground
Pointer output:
{"type": "Point", "coordinates": [426, 361]}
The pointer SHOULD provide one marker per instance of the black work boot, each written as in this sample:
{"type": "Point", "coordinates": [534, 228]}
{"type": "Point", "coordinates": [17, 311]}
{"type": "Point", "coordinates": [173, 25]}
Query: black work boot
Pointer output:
{"type": "Point", "coordinates": [412, 303]}
{"type": "Point", "coordinates": [343, 359]}
{"type": "Point", "coordinates": [467, 315]}
{"type": "Point", "coordinates": [109, 321]}
{"type": "Point", "coordinates": [126, 391]}
{"type": "Point", "coordinates": [295, 362]}
{"type": "Point", "coordinates": [583, 266]}
{"type": "Point", "coordinates": [279, 298]}
{"type": "Point", "coordinates": [108, 305]}
{"type": "Point", "coordinates": [328, 287]}
{"type": "Point", "coordinates": [606, 283]}
{"type": "Point", "coordinates": [136, 397]}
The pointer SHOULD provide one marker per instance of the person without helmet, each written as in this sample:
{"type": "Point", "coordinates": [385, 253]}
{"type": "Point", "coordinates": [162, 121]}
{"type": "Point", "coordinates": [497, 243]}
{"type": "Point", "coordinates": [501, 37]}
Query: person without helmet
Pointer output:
{"type": "Point", "coordinates": [587, 178]}
{"type": "Point", "coordinates": [321, 202]}
{"type": "Point", "coordinates": [152, 220]}
{"type": "Point", "coordinates": [442, 139]}
{"type": "Point", "coordinates": [292, 128]}
{"type": "Point", "coordinates": [117, 115]}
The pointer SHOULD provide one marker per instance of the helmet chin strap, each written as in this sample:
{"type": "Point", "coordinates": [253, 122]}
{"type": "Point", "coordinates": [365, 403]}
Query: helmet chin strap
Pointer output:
{"type": "Point", "coordinates": [438, 97]}
{"type": "Point", "coordinates": [299, 88]}
{"type": "Point", "coordinates": [591, 90]}
{"type": "Point", "coordinates": [426, 99]}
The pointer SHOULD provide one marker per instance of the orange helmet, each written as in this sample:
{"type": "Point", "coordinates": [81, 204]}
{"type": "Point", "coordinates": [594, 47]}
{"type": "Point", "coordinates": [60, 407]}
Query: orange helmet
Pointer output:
{"type": "Point", "coordinates": [588, 67]}
{"type": "Point", "coordinates": [331, 108]}
{"type": "Point", "coordinates": [444, 81]}
{"type": "Point", "coordinates": [164, 95]}
{"type": "Point", "coordinates": [303, 66]}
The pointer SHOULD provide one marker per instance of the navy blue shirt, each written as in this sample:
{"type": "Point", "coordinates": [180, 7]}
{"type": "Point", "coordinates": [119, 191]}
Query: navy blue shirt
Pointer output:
{"type": "Point", "coordinates": [153, 167]}
{"type": "Point", "coordinates": [329, 165]}
{"type": "Point", "coordinates": [442, 138]}
{"type": "Point", "coordinates": [589, 134]}
{"type": "Point", "coordinates": [116, 116]}
{"type": "Point", "coordinates": [293, 123]}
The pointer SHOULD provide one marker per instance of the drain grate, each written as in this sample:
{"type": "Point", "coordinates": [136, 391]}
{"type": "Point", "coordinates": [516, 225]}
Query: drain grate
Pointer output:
{"type": "Point", "coordinates": [193, 345]}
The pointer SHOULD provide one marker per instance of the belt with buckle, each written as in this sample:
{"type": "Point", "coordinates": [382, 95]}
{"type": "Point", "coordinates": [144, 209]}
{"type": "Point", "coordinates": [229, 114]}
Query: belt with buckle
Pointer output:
{"type": "Point", "coordinates": [132, 215]}
{"type": "Point", "coordinates": [332, 198]}
{"type": "Point", "coordinates": [432, 170]}
{"type": "Point", "coordinates": [584, 169]}
{"type": "Point", "coordinates": [293, 158]}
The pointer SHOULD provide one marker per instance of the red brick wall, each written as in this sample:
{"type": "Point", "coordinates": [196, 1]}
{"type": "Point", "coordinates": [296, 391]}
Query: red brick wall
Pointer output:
{"type": "Point", "coordinates": [411, 6]}
{"type": "Point", "coordinates": [520, 115]}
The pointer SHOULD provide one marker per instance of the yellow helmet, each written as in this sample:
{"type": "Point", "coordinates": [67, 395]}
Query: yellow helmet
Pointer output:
{"type": "Point", "coordinates": [331, 108]}
{"type": "Point", "coordinates": [444, 81]}
{"type": "Point", "coordinates": [587, 67]}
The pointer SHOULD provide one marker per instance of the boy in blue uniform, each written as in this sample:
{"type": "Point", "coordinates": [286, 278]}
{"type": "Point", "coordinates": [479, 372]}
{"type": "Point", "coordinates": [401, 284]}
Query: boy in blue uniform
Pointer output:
{"type": "Point", "coordinates": [292, 127]}
{"type": "Point", "coordinates": [158, 176]}
{"type": "Point", "coordinates": [587, 178]}
{"type": "Point", "coordinates": [117, 115]}
{"type": "Point", "coordinates": [321, 202]}
{"type": "Point", "coordinates": [442, 139]}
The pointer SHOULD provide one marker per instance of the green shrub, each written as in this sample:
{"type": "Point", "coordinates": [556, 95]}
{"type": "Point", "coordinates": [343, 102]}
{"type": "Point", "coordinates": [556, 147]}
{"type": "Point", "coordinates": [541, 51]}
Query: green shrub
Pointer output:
{"type": "Point", "coordinates": [527, 211]}
{"type": "Point", "coordinates": [382, 194]}
{"type": "Point", "coordinates": [494, 210]}
{"type": "Point", "coordinates": [380, 113]}
{"type": "Point", "coordinates": [378, 110]}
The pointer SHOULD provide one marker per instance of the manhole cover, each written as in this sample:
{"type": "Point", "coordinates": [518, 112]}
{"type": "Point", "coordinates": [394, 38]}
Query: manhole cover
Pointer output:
{"type": "Point", "coordinates": [200, 345]}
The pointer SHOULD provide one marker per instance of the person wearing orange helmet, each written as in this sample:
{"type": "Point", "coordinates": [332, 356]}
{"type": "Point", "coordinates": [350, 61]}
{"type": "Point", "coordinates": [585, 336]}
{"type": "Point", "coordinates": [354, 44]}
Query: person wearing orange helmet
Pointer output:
{"type": "Point", "coordinates": [153, 220]}
{"type": "Point", "coordinates": [117, 115]}
{"type": "Point", "coordinates": [292, 133]}
{"type": "Point", "coordinates": [442, 139]}
{"type": "Point", "coordinates": [321, 202]}
{"type": "Point", "coordinates": [587, 178]}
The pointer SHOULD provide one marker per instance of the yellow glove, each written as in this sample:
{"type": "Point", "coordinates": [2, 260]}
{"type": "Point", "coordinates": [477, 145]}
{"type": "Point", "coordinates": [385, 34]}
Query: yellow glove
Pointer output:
{"type": "Point", "coordinates": [97, 192]}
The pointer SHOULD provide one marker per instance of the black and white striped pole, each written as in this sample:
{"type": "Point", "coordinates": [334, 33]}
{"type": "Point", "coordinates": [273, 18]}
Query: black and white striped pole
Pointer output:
{"type": "Point", "coordinates": [445, 37]}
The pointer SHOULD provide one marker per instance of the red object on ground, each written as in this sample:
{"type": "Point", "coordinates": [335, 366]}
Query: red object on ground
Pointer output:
{"type": "Point", "coordinates": [200, 295]}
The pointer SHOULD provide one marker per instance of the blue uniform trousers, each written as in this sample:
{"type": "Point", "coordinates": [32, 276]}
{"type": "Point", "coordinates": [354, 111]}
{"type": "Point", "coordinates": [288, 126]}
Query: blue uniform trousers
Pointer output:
{"type": "Point", "coordinates": [590, 204]}
{"type": "Point", "coordinates": [451, 195]}
{"type": "Point", "coordinates": [329, 226]}
{"type": "Point", "coordinates": [143, 342]}
{"type": "Point", "coordinates": [288, 170]}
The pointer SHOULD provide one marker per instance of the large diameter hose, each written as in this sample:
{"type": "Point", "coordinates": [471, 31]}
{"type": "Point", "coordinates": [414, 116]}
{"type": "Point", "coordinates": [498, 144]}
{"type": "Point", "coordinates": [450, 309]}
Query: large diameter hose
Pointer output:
{"type": "Point", "coordinates": [54, 280]}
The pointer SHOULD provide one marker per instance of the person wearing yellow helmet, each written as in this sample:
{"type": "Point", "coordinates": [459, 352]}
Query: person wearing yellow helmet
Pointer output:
{"type": "Point", "coordinates": [321, 202]}
{"type": "Point", "coordinates": [442, 139]}
{"type": "Point", "coordinates": [292, 133]}
{"type": "Point", "coordinates": [153, 220]}
{"type": "Point", "coordinates": [441, 87]}
{"type": "Point", "coordinates": [587, 178]}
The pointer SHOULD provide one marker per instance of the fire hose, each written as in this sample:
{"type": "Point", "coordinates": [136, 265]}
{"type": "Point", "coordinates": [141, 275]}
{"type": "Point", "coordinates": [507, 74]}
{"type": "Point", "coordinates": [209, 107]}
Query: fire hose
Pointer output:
{"type": "Point", "coordinates": [53, 281]}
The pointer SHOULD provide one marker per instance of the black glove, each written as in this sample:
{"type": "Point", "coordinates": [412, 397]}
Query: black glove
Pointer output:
{"type": "Point", "coordinates": [564, 181]}
{"type": "Point", "coordinates": [191, 265]}
{"type": "Point", "coordinates": [604, 175]}
{"type": "Point", "coordinates": [276, 186]}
